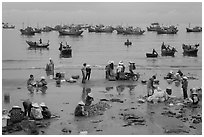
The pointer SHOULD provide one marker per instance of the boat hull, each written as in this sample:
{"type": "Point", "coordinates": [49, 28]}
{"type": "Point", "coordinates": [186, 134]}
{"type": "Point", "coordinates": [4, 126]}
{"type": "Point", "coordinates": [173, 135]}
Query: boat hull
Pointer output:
{"type": "Point", "coordinates": [37, 45]}
{"type": "Point", "coordinates": [150, 55]}
{"type": "Point", "coordinates": [70, 33]}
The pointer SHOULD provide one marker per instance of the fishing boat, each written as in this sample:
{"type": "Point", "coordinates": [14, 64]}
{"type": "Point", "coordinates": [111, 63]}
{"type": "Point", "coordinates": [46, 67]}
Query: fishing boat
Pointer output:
{"type": "Point", "coordinates": [127, 43]}
{"type": "Point", "coordinates": [133, 31]}
{"type": "Point", "coordinates": [72, 32]}
{"type": "Point", "coordinates": [91, 29]}
{"type": "Point", "coordinates": [151, 55]}
{"type": "Point", "coordinates": [195, 29]}
{"type": "Point", "coordinates": [167, 50]}
{"type": "Point", "coordinates": [153, 27]}
{"type": "Point", "coordinates": [6, 26]}
{"type": "Point", "coordinates": [167, 30]}
{"type": "Point", "coordinates": [190, 50]}
{"type": "Point", "coordinates": [27, 31]}
{"type": "Point", "coordinates": [65, 51]}
{"type": "Point", "coordinates": [119, 29]}
{"type": "Point", "coordinates": [37, 44]}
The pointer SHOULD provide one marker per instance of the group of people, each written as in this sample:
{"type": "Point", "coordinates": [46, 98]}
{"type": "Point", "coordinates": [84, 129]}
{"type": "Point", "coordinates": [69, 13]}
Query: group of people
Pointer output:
{"type": "Point", "coordinates": [87, 100]}
{"type": "Point", "coordinates": [31, 111]}
{"type": "Point", "coordinates": [31, 82]}
{"type": "Point", "coordinates": [120, 70]}
{"type": "Point", "coordinates": [168, 48]}
{"type": "Point", "coordinates": [155, 93]}
{"type": "Point", "coordinates": [64, 46]}
{"type": "Point", "coordinates": [86, 72]}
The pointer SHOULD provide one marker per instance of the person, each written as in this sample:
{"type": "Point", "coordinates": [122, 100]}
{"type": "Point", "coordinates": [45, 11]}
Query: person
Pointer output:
{"type": "Point", "coordinates": [16, 114]}
{"type": "Point", "coordinates": [150, 86]}
{"type": "Point", "coordinates": [170, 75]}
{"type": "Point", "coordinates": [83, 70]}
{"type": "Point", "coordinates": [120, 70]}
{"type": "Point", "coordinates": [5, 118]}
{"type": "Point", "coordinates": [88, 72]}
{"type": "Point", "coordinates": [168, 48]}
{"type": "Point", "coordinates": [180, 73]}
{"type": "Point", "coordinates": [89, 99]}
{"type": "Point", "coordinates": [68, 46]}
{"type": "Point", "coordinates": [45, 111]}
{"type": "Point", "coordinates": [30, 81]}
{"type": "Point", "coordinates": [154, 52]}
{"type": "Point", "coordinates": [131, 67]}
{"type": "Point", "coordinates": [185, 87]}
{"type": "Point", "coordinates": [111, 71]}
{"type": "Point", "coordinates": [40, 41]}
{"type": "Point", "coordinates": [36, 113]}
{"type": "Point", "coordinates": [194, 96]}
{"type": "Point", "coordinates": [107, 69]}
{"type": "Point", "coordinates": [50, 68]}
{"type": "Point", "coordinates": [177, 77]}
{"type": "Point", "coordinates": [42, 82]}
{"type": "Point", "coordinates": [160, 96]}
{"type": "Point", "coordinates": [163, 46]}
{"type": "Point", "coordinates": [79, 110]}
{"type": "Point", "coordinates": [60, 48]}
{"type": "Point", "coordinates": [27, 104]}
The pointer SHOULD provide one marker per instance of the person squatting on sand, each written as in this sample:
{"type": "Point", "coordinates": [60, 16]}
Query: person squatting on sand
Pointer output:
{"type": "Point", "coordinates": [79, 110]}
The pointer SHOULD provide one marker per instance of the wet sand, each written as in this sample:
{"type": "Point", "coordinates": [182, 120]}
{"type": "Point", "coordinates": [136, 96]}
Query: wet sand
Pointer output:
{"type": "Point", "coordinates": [63, 100]}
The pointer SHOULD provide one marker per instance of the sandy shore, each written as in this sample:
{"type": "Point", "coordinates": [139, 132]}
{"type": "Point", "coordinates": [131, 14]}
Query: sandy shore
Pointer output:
{"type": "Point", "coordinates": [63, 100]}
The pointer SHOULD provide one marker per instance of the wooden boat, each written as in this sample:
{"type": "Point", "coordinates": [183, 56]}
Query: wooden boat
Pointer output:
{"type": "Point", "coordinates": [131, 31]}
{"type": "Point", "coordinates": [167, 31]}
{"type": "Point", "coordinates": [127, 43]}
{"type": "Point", "coordinates": [195, 29]}
{"type": "Point", "coordinates": [119, 29]}
{"type": "Point", "coordinates": [91, 29]}
{"type": "Point", "coordinates": [150, 55]}
{"type": "Point", "coordinates": [153, 27]}
{"type": "Point", "coordinates": [168, 52]}
{"type": "Point", "coordinates": [107, 29]}
{"type": "Point", "coordinates": [72, 32]}
{"type": "Point", "coordinates": [36, 30]}
{"type": "Point", "coordinates": [66, 53]}
{"type": "Point", "coordinates": [37, 44]}
{"type": "Point", "coordinates": [47, 29]}
{"type": "Point", "coordinates": [27, 31]}
{"type": "Point", "coordinates": [190, 50]}
{"type": "Point", "coordinates": [6, 26]}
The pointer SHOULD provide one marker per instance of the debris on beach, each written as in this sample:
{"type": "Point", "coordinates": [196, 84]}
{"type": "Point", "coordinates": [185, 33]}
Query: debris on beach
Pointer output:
{"type": "Point", "coordinates": [97, 109]}
{"type": "Point", "coordinates": [132, 119]}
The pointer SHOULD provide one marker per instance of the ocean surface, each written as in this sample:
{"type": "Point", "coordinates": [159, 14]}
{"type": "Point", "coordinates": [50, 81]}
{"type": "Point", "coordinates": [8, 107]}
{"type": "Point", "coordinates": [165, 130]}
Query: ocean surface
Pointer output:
{"type": "Point", "coordinates": [96, 49]}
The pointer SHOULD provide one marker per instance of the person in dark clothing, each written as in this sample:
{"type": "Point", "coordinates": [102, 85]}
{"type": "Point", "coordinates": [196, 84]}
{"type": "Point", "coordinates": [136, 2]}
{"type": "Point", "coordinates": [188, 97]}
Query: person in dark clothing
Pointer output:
{"type": "Point", "coordinates": [150, 86]}
{"type": "Point", "coordinates": [185, 87]}
{"type": "Point", "coordinates": [89, 99]}
{"type": "Point", "coordinates": [88, 72]}
{"type": "Point", "coordinates": [180, 73]}
{"type": "Point", "coordinates": [40, 41]}
{"type": "Point", "coordinates": [60, 48]}
{"type": "Point", "coordinates": [45, 111]}
{"type": "Point", "coordinates": [83, 70]}
{"type": "Point", "coordinates": [16, 114]}
{"type": "Point", "coordinates": [79, 110]}
{"type": "Point", "coordinates": [27, 104]}
{"type": "Point", "coordinates": [31, 81]}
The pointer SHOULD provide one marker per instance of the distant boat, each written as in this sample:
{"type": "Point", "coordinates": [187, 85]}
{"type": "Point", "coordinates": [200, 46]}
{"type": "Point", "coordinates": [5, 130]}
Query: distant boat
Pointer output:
{"type": "Point", "coordinates": [167, 50]}
{"type": "Point", "coordinates": [153, 27]}
{"type": "Point", "coordinates": [73, 32]}
{"type": "Point", "coordinates": [151, 55]}
{"type": "Point", "coordinates": [195, 29]}
{"type": "Point", "coordinates": [120, 29]}
{"type": "Point", "coordinates": [167, 30]}
{"type": "Point", "coordinates": [6, 26]}
{"type": "Point", "coordinates": [37, 44]}
{"type": "Point", "coordinates": [27, 31]}
{"type": "Point", "coordinates": [190, 50]}
{"type": "Point", "coordinates": [65, 51]}
{"type": "Point", "coordinates": [132, 31]}
{"type": "Point", "coordinates": [127, 43]}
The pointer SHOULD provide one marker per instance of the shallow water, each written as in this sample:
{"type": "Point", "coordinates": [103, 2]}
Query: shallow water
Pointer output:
{"type": "Point", "coordinates": [96, 49]}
